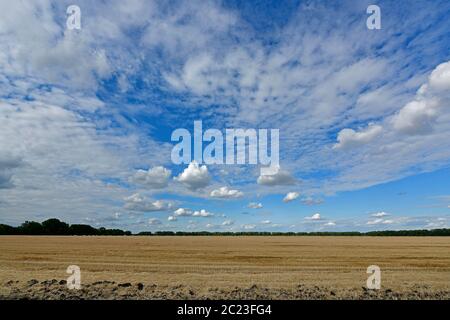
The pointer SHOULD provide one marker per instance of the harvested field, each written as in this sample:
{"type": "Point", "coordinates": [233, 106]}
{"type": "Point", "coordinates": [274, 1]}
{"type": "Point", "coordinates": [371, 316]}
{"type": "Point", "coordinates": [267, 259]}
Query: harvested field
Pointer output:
{"type": "Point", "coordinates": [224, 267]}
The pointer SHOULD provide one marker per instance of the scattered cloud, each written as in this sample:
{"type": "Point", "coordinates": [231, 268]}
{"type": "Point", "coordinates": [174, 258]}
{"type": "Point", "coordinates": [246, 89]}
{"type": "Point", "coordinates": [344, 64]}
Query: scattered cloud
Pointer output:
{"type": "Point", "coordinates": [194, 176]}
{"type": "Point", "coordinates": [255, 205]}
{"type": "Point", "coordinates": [202, 213]}
{"type": "Point", "coordinates": [155, 178]}
{"type": "Point", "coordinates": [419, 115]}
{"type": "Point", "coordinates": [348, 138]}
{"type": "Point", "coordinates": [314, 217]}
{"type": "Point", "coordinates": [182, 212]}
{"type": "Point", "coordinates": [290, 196]}
{"type": "Point", "coordinates": [380, 221]}
{"type": "Point", "coordinates": [380, 214]}
{"type": "Point", "coordinates": [226, 193]}
{"type": "Point", "coordinates": [279, 178]}
{"type": "Point", "coordinates": [227, 223]}
{"type": "Point", "coordinates": [137, 202]}
{"type": "Point", "coordinates": [154, 222]}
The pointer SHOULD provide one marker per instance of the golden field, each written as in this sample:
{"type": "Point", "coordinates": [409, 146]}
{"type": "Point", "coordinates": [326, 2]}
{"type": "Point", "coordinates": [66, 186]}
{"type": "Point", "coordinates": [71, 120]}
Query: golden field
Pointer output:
{"type": "Point", "coordinates": [203, 263]}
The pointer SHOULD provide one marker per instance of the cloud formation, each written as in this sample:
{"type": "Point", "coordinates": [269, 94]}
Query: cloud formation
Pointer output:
{"type": "Point", "coordinates": [279, 178]}
{"type": "Point", "coordinates": [154, 178]}
{"type": "Point", "coordinates": [255, 205]}
{"type": "Point", "coordinates": [137, 202]}
{"type": "Point", "coordinates": [194, 176]}
{"type": "Point", "coordinates": [314, 217]}
{"type": "Point", "coordinates": [226, 193]}
{"type": "Point", "coordinates": [291, 196]}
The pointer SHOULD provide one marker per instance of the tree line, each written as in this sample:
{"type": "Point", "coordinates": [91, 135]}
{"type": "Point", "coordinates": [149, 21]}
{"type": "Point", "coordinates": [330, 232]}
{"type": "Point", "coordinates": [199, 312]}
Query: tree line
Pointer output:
{"type": "Point", "coordinates": [410, 233]}
{"type": "Point", "coordinates": [57, 227]}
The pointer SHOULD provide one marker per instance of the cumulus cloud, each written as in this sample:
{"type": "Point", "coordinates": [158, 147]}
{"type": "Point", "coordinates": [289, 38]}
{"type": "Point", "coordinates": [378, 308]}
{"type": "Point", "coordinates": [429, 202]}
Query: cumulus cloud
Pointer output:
{"type": "Point", "coordinates": [419, 115]}
{"type": "Point", "coordinates": [290, 196]}
{"type": "Point", "coordinates": [255, 205]}
{"type": "Point", "coordinates": [248, 226]}
{"type": "Point", "coordinates": [416, 117]}
{"type": "Point", "coordinates": [314, 217]}
{"type": "Point", "coordinates": [194, 176]}
{"type": "Point", "coordinates": [182, 212]}
{"type": "Point", "coordinates": [154, 178]}
{"type": "Point", "coordinates": [279, 178]}
{"type": "Point", "coordinates": [330, 224]}
{"type": "Point", "coordinates": [202, 213]}
{"type": "Point", "coordinates": [266, 222]}
{"type": "Point", "coordinates": [226, 193]}
{"type": "Point", "coordinates": [137, 202]}
{"type": "Point", "coordinates": [348, 138]}
{"type": "Point", "coordinates": [172, 218]}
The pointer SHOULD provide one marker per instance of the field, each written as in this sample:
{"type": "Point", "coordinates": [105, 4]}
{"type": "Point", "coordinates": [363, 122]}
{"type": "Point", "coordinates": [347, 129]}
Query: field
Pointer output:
{"type": "Point", "coordinates": [224, 267]}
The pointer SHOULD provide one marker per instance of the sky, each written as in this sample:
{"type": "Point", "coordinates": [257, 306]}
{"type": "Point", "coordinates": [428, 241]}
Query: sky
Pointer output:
{"type": "Point", "coordinates": [87, 115]}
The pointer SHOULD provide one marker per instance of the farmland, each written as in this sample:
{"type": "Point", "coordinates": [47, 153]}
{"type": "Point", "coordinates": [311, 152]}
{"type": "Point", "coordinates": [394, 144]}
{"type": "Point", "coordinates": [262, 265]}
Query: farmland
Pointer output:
{"type": "Point", "coordinates": [224, 267]}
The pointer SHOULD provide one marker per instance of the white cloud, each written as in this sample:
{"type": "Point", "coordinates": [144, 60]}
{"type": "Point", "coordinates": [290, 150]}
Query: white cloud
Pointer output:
{"type": "Point", "coordinates": [380, 221]}
{"type": "Point", "coordinates": [194, 176]}
{"type": "Point", "coordinates": [419, 116]}
{"type": "Point", "coordinates": [248, 226]}
{"type": "Point", "coordinates": [172, 218]}
{"type": "Point", "coordinates": [154, 222]}
{"type": "Point", "coordinates": [255, 205]}
{"type": "Point", "coordinates": [416, 117]}
{"type": "Point", "coordinates": [228, 223]}
{"type": "Point", "coordinates": [380, 214]}
{"type": "Point", "coordinates": [182, 212]}
{"type": "Point", "coordinates": [330, 224]}
{"type": "Point", "coordinates": [315, 216]}
{"type": "Point", "coordinates": [290, 196]}
{"type": "Point", "coordinates": [155, 178]}
{"type": "Point", "coordinates": [348, 138]}
{"type": "Point", "coordinates": [226, 193]}
{"type": "Point", "coordinates": [279, 178]}
{"type": "Point", "coordinates": [137, 202]}
{"type": "Point", "coordinates": [202, 213]}
{"type": "Point", "coordinates": [439, 79]}
{"type": "Point", "coordinates": [266, 222]}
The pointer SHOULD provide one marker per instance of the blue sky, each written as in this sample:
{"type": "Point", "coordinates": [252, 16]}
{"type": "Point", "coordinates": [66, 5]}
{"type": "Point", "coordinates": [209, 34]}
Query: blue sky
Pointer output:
{"type": "Point", "coordinates": [86, 116]}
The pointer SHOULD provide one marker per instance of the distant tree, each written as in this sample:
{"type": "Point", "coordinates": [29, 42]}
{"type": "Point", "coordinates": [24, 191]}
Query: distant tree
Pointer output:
{"type": "Point", "coordinates": [31, 228]}
{"type": "Point", "coordinates": [7, 230]}
{"type": "Point", "coordinates": [82, 230]}
{"type": "Point", "coordinates": [55, 227]}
